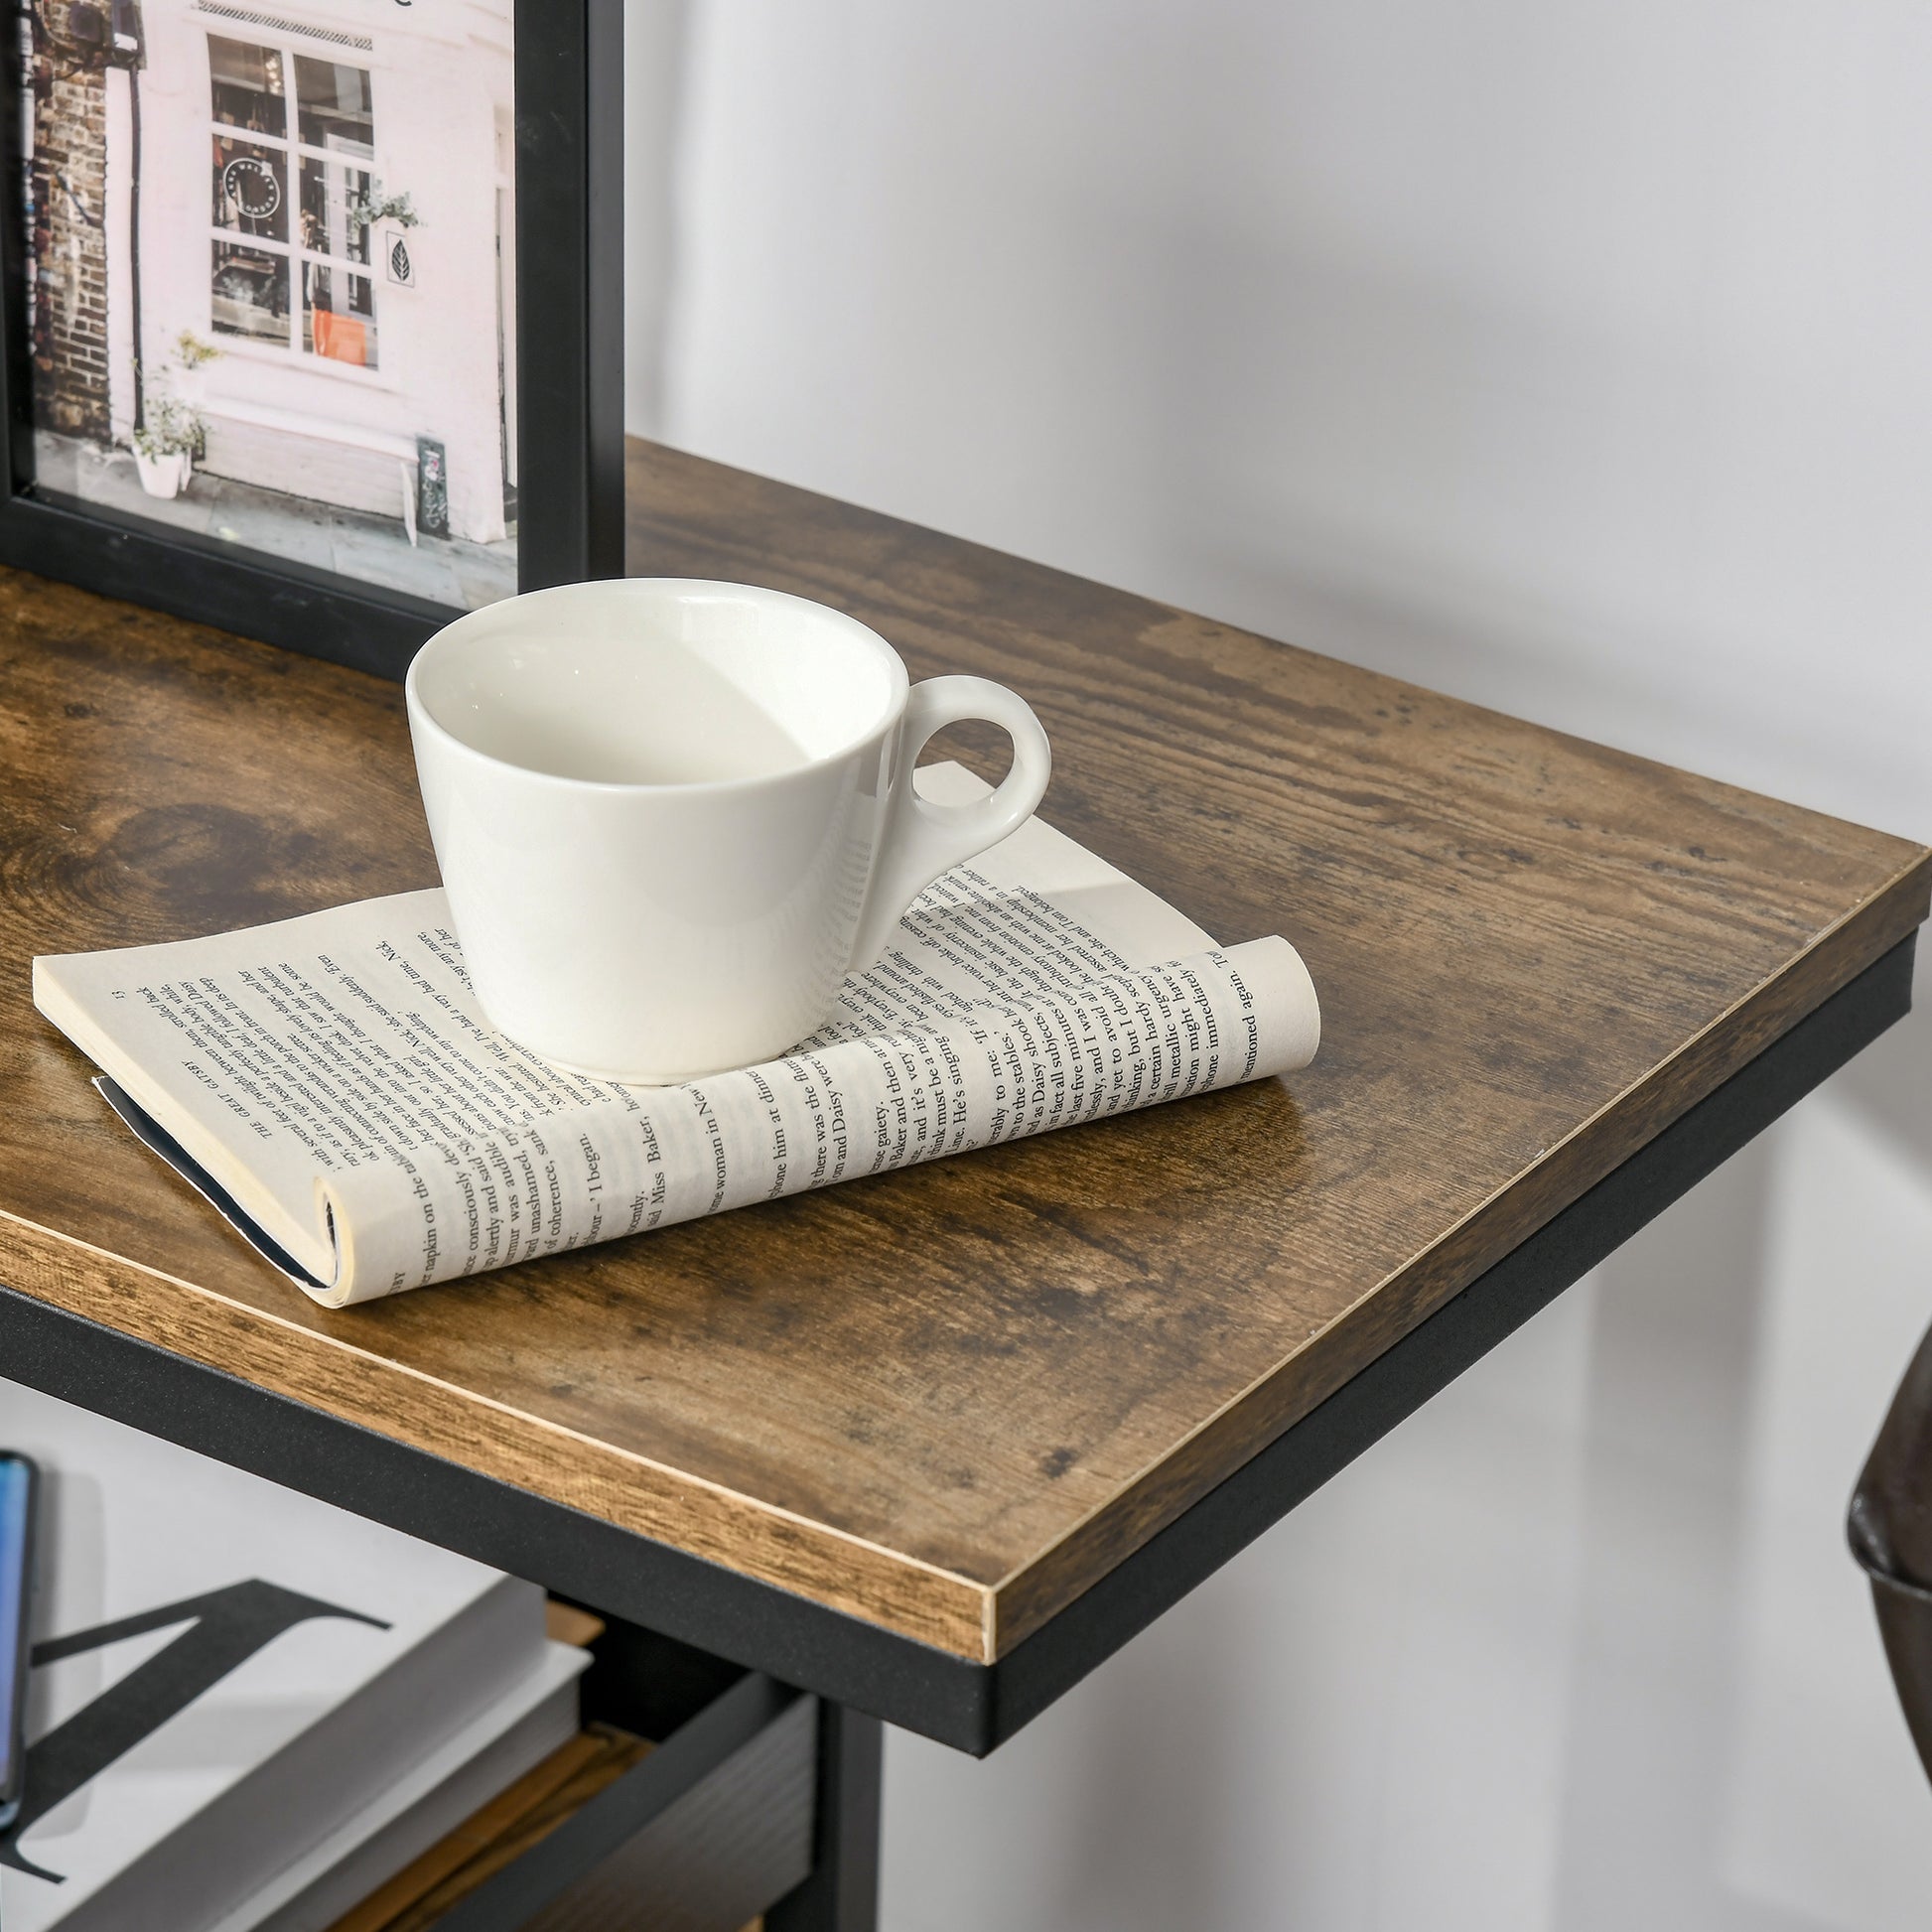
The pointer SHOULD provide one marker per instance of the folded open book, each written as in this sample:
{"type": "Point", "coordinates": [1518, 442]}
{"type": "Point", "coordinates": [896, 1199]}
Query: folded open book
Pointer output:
{"type": "Point", "coordinates": [332, 1087]}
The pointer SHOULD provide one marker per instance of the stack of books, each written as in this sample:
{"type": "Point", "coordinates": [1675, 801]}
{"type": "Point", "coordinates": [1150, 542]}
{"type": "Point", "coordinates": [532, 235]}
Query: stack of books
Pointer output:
{"type": "Point", "coordinates": [249, 1712]}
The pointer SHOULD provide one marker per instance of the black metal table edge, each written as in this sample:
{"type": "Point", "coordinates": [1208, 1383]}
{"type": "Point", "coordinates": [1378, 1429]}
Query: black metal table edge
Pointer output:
{"type": "Point", "coordinates": [971, 1706]}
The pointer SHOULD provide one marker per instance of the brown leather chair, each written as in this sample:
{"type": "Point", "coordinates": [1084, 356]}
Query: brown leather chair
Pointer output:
{"type": "Point", "coordinates": [1890, 1530]}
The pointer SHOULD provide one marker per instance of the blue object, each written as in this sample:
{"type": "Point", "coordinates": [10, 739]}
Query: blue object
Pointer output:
{"type": "Point", "coordinates": [16, 1544]}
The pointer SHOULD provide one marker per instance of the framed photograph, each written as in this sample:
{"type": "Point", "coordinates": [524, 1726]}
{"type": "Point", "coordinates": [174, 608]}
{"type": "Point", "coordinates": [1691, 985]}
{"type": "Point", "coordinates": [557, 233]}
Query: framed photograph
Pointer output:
{"type": "Point", "coordinates": [312, 312]}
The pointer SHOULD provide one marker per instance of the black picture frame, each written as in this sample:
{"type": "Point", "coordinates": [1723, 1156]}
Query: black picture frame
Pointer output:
{"type": "Point", "coordinates": [567, 80]}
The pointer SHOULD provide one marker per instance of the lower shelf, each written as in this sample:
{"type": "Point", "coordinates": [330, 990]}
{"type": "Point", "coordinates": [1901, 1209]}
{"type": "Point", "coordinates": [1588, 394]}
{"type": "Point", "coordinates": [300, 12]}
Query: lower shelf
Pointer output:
{"type": "Point", "coordinates": [512, 1823]}
{"type": "Point", "coordinates": [699, 1832]}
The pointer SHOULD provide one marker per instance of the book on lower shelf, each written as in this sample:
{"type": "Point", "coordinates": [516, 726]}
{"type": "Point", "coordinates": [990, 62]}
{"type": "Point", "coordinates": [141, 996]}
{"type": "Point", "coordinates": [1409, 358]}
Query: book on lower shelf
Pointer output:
{"type": "Point", "coordinates": [250, 1711]}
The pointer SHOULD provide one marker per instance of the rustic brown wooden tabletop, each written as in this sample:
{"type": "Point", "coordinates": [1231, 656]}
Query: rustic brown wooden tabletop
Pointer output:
{"type": "Point", "coordinates": [946, 1401]}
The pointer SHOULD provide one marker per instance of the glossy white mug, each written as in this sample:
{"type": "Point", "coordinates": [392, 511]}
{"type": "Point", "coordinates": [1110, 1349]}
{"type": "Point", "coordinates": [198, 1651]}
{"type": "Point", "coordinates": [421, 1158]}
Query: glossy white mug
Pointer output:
{"type": "Point", "coordinates": [672, 815]}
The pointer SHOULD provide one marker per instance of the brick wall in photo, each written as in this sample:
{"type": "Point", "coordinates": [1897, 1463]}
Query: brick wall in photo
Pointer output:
{"type": "Point", "coordinates": [69, 190]}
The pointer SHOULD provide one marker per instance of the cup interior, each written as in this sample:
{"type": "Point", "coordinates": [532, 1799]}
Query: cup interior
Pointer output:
{"type": "Point", "coordinates": [654, 681]}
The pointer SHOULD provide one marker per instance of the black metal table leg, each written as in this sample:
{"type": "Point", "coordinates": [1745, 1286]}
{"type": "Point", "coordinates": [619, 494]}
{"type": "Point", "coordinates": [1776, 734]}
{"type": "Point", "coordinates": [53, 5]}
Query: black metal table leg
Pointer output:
{"type": "Point", "coordinates": [842, 1894]}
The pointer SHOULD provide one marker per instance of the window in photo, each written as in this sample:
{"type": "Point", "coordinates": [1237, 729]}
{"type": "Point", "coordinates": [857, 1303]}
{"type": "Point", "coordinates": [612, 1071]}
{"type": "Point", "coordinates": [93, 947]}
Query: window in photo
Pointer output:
{"type": "Point", "coordinates": [334, 109]}
{"type": "Point", "coordinates": [332, 156]}
{"type": "Point", "coordinates": [247, 86]}
{"type": "Point", "coordinates": [339, 315]}
{"type": "Point", "coordinates": [332, 199]}
{"type": "Point", "coordinates": [251, 190]}
{"type": "Point", "coordinates": [250, 293]}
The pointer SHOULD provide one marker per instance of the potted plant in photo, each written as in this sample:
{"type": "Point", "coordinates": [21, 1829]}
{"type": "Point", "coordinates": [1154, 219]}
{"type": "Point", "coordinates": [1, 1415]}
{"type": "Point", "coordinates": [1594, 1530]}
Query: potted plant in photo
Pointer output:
{"type": "Point", "coordinates": [165, 446]}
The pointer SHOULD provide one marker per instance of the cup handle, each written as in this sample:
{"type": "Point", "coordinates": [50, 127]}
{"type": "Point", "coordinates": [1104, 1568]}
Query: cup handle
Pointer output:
{"type": "Point", "coordinates": [919, 840]}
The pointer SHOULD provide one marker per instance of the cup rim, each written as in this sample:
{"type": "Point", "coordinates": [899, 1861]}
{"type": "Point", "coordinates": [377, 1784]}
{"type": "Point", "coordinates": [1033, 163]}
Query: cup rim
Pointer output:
{"type": "Point", "coordinates": [421, 717]}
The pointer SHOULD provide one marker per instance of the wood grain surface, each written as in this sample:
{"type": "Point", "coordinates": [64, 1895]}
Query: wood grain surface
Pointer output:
{"type": "Point", "coordinates": [945, 1400]}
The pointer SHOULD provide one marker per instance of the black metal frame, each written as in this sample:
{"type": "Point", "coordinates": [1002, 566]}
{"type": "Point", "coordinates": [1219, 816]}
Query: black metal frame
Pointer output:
{"type": "Point", "coordinates": [569, 88]}
{"type": "Point", "coordinates": [842, 1894]}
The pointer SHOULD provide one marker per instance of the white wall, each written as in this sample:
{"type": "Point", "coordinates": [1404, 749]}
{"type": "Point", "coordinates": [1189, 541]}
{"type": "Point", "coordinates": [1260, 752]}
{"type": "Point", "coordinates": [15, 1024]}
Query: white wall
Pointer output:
{"type": "Point", "coordinates": [1574, 359]}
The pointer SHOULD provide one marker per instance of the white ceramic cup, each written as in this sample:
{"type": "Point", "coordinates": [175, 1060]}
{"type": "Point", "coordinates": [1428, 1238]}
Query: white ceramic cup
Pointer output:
{"type": "Point", "coordinates": [672, 815]}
